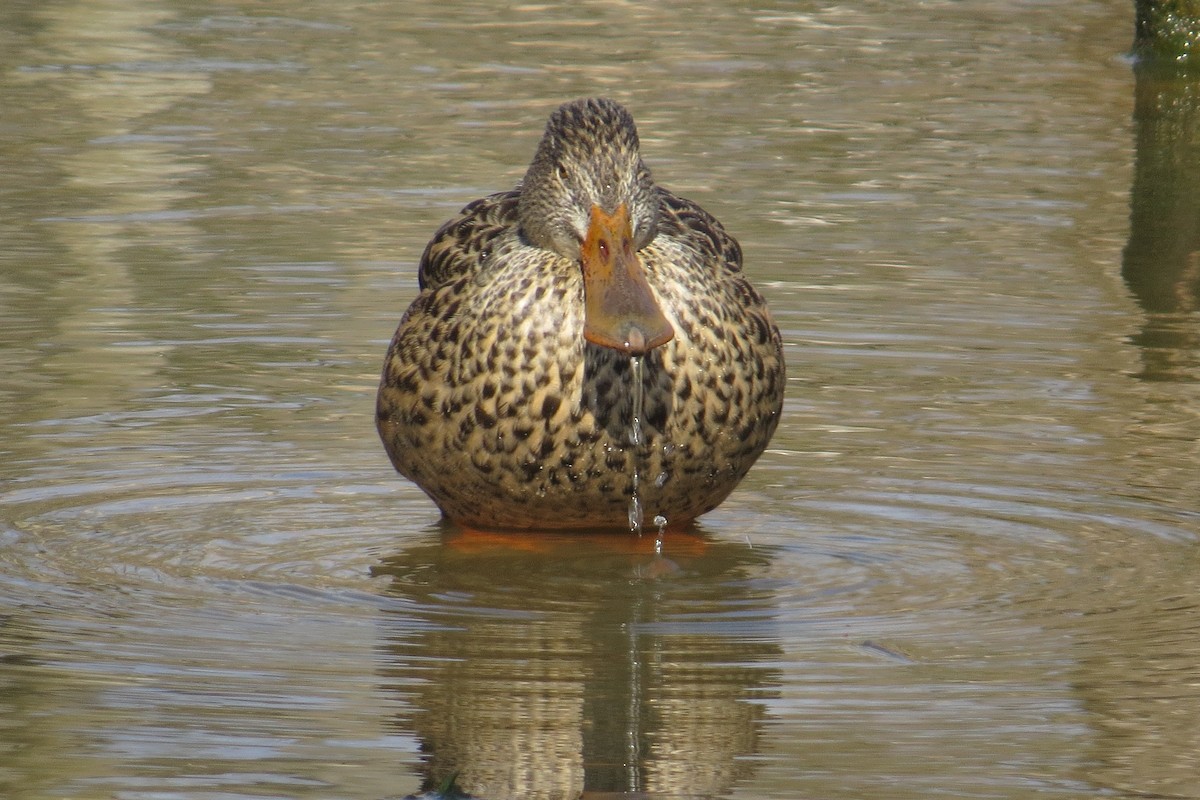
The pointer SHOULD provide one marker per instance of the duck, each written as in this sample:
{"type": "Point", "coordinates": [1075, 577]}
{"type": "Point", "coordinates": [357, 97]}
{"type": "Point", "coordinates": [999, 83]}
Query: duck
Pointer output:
{"type": "Point", "coordinates": [582, 347]}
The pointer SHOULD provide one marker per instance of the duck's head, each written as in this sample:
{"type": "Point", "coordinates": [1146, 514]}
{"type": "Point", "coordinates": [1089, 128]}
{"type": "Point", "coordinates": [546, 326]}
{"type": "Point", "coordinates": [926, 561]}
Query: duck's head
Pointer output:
{"type": "Point", "coordinates": [589, 198]}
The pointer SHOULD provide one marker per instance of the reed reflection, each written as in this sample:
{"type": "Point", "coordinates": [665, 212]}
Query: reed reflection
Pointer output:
{"type": "Point", "coordinates": [553, 666]}
{"type": "Point", "coordinates": [1161, 263]}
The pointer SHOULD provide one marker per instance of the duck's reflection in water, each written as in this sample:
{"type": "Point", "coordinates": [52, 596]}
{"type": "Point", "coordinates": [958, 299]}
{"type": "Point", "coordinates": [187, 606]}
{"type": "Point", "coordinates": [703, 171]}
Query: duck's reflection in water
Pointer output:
{"type": "Point", "coordinates": [554, 666]}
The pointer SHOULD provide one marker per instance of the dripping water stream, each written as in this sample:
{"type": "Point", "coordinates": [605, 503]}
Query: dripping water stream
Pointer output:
{"type": "Point", "coordinates": [635, 442]}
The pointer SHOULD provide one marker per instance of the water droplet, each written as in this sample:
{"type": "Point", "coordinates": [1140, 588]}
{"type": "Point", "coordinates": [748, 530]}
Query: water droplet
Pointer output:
{"type": "Point", "coordinates": [660, 522]}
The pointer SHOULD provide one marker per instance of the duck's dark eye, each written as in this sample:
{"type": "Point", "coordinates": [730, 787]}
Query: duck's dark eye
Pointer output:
{"type": "Point", "coordinates": [562, 173]}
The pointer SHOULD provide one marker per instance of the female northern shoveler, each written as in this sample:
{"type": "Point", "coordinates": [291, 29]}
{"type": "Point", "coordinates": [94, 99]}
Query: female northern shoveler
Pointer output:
{"type": "Point", "coordinates": [507, 390]}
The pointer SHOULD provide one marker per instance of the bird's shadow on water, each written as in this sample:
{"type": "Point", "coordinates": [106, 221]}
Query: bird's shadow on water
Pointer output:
{"type": "Point", "coordinates": [569, 665]}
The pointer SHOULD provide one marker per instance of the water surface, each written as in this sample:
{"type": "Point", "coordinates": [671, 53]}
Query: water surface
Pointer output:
{"type": "Point", "coordinates": [966, 567]}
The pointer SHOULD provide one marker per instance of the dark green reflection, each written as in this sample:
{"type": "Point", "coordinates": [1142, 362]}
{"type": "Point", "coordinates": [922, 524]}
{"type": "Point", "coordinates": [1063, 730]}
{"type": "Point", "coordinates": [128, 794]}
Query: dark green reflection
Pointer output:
{"type": "Point", "coordinates": [1162, 259]}
{"type": "Point", "coordinates": [553, 665]}
{"type": "Point", "coordinates": [1167, 31]}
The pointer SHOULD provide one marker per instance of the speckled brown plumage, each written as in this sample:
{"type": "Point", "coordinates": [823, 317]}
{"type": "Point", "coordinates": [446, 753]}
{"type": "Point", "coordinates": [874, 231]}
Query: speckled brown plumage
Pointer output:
{"type": "Point", "coordinates": [493, 402]}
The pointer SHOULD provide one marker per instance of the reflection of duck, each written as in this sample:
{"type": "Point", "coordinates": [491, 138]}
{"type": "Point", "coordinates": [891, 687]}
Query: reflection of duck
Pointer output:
{"type": "Point", "coordinates": [506, 392]}
{"type": "Point", "coordinates": [571, 666]}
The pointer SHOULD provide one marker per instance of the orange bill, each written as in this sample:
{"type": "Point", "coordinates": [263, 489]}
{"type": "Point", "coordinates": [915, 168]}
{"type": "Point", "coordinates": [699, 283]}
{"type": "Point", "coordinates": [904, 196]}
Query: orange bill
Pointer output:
{"type": "Point", "coordinates": [620, 310]}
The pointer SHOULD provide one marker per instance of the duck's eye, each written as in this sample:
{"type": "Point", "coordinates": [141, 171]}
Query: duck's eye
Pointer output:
{"type": "Point", "coordinates": [562, 173]}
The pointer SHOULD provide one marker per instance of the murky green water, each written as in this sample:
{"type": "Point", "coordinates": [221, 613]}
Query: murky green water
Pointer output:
{"type": "Point", "coordinates": [967, 567]}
